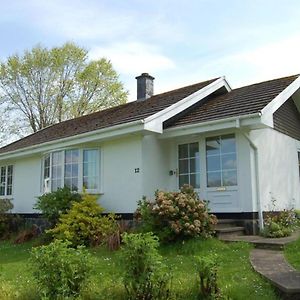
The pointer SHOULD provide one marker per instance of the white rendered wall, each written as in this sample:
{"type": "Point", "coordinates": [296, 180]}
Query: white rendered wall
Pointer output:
{"type": "Point", "coordinates": [26, 184]}
{"type": "Point", "coordinates": [155, 165]}
{"type": "Point", "coordinates": [121, 186]}
{"type": "Point", "coordinates": [278, 169]}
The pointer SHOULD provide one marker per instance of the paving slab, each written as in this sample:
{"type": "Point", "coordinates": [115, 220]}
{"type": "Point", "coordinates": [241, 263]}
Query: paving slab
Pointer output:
{"type": "Point", "coordinates": [272, 265]}
{"type": "Point", "coordinates": [262, 242]}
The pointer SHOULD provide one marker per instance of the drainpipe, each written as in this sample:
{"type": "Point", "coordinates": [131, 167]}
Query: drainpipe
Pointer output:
{"type": "Point", "coordinates": [253, 146]}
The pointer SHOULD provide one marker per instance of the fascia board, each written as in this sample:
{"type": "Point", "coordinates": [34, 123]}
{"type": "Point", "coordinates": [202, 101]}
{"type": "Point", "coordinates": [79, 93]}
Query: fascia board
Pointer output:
{"type": "Point", "coordinates": [215, 125]}
{"type": "Point", "coordinates": [268, 111]}
{"type": "Point", "coordinates": [96, 135]}
{"type": "Point", "coordinates": [155, 122]}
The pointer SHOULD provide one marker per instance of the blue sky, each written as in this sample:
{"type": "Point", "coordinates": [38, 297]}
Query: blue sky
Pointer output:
{"type": "Point", "coordinates": [178, 42]}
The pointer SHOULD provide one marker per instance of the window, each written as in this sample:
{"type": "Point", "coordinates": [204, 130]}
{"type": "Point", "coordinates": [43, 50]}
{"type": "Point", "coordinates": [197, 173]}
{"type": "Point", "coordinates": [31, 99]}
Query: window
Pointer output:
{"type": "Point", "coordinates": [189, 164]}
{"type": "Point", "coordinates": [221, 161]}
{"type": "Point", "coordinates": [6, 180]}
{"type": "Point", "coordinates": [74, 168]}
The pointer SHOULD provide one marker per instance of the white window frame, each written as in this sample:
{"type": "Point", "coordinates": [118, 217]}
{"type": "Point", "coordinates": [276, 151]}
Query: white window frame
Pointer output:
{"type": "Point", "coordinates": [6, 181]}
{"type": "Point", "coordinates": [220, 157]}
{"type": "Point", "coordinates": [47, 182]}
{"type": "Point", "coordinates": [189, 173]}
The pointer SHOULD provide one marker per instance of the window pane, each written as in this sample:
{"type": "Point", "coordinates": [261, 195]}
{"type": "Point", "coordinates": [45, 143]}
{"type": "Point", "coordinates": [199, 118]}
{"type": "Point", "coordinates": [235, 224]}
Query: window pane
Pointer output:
{"type": "Point", "coordinates": [214, 179]}
{"type": "Point", "coordinates": [228, 161]}
{"type": "Point", "coordinates": [9, 190]}
{"type": "Point", "coordinates": [74, 170]}
{"type": "Point", "coordinates": [90, 169]}
{"type": "Point", "coordinates": [2, 190]}
{"type": "Point", "coordinates": [56, 158]}
{"type": "Point", "coordinates": [194, 165]}
{"type": "Point", "coordinates": [90, 155]}
{"type": "Point", "coordinates": [183, 151]}
{"type": "Point", "coordinates": [183, 166]}
{"type": "Point", "coordinates": [90, 183]}
{"type": "Point", "coordinates": [228, 143]}
{"type": "Point", "coordinates": [2, 181]}
{"type": "Point", "coordinates": [212, 146]}
{"type": "Point", "coordinates": [213, 163]}
{"type": "Point", "coordinates": [195, 180]}
{"type": "Point", "coordinates": [194, 150]}
{"type": "Point", "coordinates": [47, 166]}
{"type": "Point", "coordinates": [68, 171]}
{"type": "Point", "coordinates": [56, 180]}
{"type": "Point", "coordinates": [183, 179]}
{"type": "Point", "coordinates": [71, 156]}
{"type": "Point", "coordinates": [71, 169]}
{"type": "Point", "coordinates": [229, 178]}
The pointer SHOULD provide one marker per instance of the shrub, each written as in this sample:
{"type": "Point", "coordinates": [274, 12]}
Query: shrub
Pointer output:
{"type": "Point", "coordinates": [60, 271]}
{"type": "Point", "coordinates": [53, 204]}
{"type": "Point", "coordinates": [84, 225]}
{"type": "Point", "coordinates": [280, 224]}
{"type": "Point", "coordinates": [207, 271]}
{"type": "Point", "coordinates": [176, 215]}
{"type": "Point", "coordinates": [5, 207]}
{"type": "Point", "coordinates": [145, 277]}
{"type": "Point", "coordinates": [27, 234]}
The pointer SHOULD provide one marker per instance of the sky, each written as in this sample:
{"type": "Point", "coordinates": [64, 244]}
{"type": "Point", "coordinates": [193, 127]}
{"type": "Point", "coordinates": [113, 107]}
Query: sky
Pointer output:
{"type": "Point", "coordinates": [177, 42]}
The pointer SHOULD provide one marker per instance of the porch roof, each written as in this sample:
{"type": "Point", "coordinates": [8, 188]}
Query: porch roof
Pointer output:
{"type": "Point", "coordinates": [238, 102]}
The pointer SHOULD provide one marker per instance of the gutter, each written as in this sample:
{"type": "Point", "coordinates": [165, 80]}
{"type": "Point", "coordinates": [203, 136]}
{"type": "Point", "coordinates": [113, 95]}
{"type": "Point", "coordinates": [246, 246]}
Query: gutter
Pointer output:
{"type": "Point", "coordinates": [169, 131]}
{"type": "Point", "coordinates": [254, 147]}
{"type": "Point", "coordinates": [81, 138]}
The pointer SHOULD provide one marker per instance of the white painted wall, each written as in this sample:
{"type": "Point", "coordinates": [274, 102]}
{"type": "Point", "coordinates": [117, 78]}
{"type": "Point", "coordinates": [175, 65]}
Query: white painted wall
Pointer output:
{"type": "Point", "coordinates": [278, 169]}
{"type": "Point", "coordinates": [155, 165]}
{"type": "Point", "coordinates": [26, 184]}
{"type": "Point", "coordinates": [121, 186]}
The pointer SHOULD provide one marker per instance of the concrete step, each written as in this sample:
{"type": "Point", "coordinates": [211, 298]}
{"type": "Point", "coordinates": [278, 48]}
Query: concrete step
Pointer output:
{"type": "Point", "coordinates": [273, 266]}
{"type": "Point", "coordinates": [229, 231]}
{"type": "Point", "coordinates": [225, 223]}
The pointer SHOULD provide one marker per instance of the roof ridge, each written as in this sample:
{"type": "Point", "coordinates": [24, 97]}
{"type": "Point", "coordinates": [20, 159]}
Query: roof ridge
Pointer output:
{"type": "Point", "coordinates": [265, 81]}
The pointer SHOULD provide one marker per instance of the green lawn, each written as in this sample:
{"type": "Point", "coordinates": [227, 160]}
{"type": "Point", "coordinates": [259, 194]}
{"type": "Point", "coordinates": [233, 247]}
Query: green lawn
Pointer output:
{"type": "Point", "coordinates": [292, 254]}
{"type": "Point", "coordinates": [236, 277]}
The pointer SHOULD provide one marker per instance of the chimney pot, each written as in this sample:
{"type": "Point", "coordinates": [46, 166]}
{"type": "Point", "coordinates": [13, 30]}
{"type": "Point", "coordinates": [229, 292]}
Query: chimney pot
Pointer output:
{"type": "Point", "coordinates": [144, 86]}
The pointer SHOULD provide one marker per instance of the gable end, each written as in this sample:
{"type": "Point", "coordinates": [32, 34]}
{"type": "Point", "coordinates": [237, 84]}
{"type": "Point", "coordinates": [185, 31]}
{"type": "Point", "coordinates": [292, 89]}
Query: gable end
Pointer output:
{"type": "Point", "coordinates": [287, 119]}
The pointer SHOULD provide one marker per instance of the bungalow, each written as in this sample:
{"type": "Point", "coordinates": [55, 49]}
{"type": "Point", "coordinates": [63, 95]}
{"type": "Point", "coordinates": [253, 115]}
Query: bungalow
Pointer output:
{"type": "Point", "coordinates": [239, 148]}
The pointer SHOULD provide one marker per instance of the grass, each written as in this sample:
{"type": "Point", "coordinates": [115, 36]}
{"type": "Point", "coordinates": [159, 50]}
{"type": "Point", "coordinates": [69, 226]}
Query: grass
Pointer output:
{"type": "Point", "coordinates": [237, 280]}
{"type": "Point", "coordinates": [291, 252]}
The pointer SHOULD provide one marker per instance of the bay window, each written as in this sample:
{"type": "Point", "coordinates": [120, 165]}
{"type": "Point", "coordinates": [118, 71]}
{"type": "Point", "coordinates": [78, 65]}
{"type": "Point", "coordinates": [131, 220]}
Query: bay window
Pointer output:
{"type": "Point", "coordinates": [221, 161]}
{"type": "Point", "coordinates": [77, 169]}
{"type": "Point", "coordinates": [6, 180]}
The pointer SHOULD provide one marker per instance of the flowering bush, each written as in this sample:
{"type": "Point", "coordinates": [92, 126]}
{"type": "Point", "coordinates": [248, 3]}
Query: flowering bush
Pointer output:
{"type": "Point", "coordinates": [280, 224]}
{"type": "Point", "coordinates": [176, 215]}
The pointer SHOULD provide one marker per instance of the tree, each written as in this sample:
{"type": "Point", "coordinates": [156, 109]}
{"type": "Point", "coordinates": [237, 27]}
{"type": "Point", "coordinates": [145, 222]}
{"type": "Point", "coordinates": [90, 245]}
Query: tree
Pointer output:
{"type": "Point", "coordinates": [46, 86]}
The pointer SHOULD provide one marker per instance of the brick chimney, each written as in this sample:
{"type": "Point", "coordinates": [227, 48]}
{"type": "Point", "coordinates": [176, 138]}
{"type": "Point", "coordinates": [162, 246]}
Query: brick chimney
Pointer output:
{"type": "Point", "coordinates": [144, 86]}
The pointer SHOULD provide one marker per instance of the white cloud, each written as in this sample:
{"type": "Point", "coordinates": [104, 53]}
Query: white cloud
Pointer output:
{"type": "Point", "coordinates": [277, 59]}
{"type": "Point", "coordinates": [133, 58]}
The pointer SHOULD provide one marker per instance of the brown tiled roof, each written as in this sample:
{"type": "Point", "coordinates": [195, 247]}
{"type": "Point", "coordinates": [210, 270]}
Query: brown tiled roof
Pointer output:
{"type": "Point", "coordinates": [242, 101]}
{"type": "Point", "coordinates": [121, 114]}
